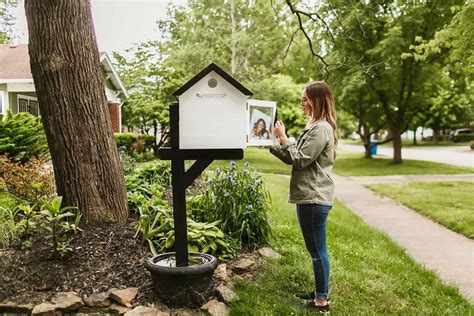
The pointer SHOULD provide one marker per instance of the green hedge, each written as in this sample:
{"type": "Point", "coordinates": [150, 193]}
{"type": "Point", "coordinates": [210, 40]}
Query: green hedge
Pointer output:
{"type": "Point", "coordinates": [134, 143]}
{"type": "Point", "coordinates": [463, 137]}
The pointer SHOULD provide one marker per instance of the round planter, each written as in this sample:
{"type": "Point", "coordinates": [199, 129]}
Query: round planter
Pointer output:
{"type": "Point", "coordinates": [189, 286]}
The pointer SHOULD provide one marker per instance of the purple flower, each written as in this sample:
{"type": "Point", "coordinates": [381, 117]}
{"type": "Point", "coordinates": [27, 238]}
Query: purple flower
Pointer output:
{"type": "Point", "coordinates": [246, 172]}
{"type": "Point", "coordinates": [249, 206]}
{"type": "Point", "coordinates": [215, 198]}
{"type": "Point", "coordinates": [232, 164]}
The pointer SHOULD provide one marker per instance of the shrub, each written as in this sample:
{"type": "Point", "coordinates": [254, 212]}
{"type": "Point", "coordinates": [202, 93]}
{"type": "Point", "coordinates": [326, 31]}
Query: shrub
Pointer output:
{"type": "Point", "coordinates": [134, 143]}
{"type": "Point", "coordinates": [22, 137]}
{"type": "Point", "coordinates": [29, 181]}
{"type": "Point", "coordinates": [239, 200]}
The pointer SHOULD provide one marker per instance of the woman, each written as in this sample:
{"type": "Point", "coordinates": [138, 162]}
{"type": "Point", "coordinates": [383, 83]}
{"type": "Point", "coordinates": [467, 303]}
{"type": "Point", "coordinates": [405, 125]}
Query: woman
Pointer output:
{"type": "Point", "coordinates": [311, 187]}
{"type": "Point", "coordinates": [260, 130]}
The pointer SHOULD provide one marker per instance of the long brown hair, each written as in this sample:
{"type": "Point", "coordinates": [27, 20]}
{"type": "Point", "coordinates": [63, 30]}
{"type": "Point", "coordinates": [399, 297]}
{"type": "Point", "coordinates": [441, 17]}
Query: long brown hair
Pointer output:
{"type": "Point", "coordinates": [322, 104]}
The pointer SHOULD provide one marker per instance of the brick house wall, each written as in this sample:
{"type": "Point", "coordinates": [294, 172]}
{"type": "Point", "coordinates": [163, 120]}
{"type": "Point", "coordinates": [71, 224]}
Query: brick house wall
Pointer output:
{"type": "Point", "coordinates": [114, 110]}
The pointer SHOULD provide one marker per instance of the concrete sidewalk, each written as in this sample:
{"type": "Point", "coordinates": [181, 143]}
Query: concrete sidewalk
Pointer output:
{"type": "Point", "coordinates": [450, 254]}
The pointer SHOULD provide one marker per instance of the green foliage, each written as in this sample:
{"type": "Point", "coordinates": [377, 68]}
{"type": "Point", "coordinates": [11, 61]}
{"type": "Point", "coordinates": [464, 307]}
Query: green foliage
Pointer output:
{"type": "Point", "coordinates": [238, 199]}
{"type": "Point", "coordinates": [22, 137]}
{"type": "Point", "coordinates": [127, 162]}
{"type": "Point", "coordinates": [147, 182]}
{"type": "Point", "coordinates": [156, 226]}
{"type": "Point", "coordinates": [29, 217]}
{"type": "Point", "coordinates": [9, 228]}
{"type": "Point", "coordinates": [56, 225]}
{"type": "Point", "coordinates": [134, 143]}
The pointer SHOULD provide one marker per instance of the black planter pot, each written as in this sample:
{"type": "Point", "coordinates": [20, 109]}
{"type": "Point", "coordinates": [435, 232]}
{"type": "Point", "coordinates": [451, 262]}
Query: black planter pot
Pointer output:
{"type": "Point", "coordinates": [189, 286]}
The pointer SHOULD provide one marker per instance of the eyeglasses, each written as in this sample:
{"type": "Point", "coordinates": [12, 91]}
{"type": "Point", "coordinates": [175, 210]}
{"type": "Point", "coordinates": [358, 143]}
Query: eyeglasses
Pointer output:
{"type": "Point", "coordinates": [303, 100]}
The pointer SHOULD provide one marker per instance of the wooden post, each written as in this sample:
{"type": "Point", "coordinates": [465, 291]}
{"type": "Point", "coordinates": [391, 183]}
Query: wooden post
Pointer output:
{"type": "Point", "coordinates": [181, 179]}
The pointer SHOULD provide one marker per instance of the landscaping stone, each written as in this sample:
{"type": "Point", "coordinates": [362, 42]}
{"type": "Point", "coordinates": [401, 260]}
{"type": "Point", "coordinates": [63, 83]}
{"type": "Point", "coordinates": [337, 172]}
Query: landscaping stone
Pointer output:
{"type": "Point", "coordinates": [226, 294]}
{"type": "Point", "coordinates": [125, 296]}
{"type": "Point", "coordinates": [219, 309]}
{"type": "Point", "coordinates": [221, 272]}
{"type": "Point", "coordinates": [44, 309]}
{"type": "Point", "coordinates": [89, 310]}
{"type": "Point", "coordinates": [118, 309]}
{"type": "Point", "coordinates": [269, 253]}
{"type": "Point", "coordinates": [142, 311]}
{"type": "Point", "coordinates": [15, 308]}
{"type": "Point", "coordinates": [209, 304]}
{"type": "Point", "coordinates": [67, 301]}
{"type": "Point", "coordinates": [244, 265]}
{"type": "Point", "coordinates": [98, 300]}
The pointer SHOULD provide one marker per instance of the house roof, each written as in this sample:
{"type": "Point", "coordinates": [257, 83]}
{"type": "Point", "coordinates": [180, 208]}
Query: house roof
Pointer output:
{"type": "Point", "coordinates": [204, 72]}
{"type": "Point", "coordinates": [14, 62]}
{"type": "Point", "coordinates": [15, 66]}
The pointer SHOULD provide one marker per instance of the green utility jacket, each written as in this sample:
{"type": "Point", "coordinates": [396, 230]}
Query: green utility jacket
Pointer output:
{"type": "Point", "coordinates": [311, 158]}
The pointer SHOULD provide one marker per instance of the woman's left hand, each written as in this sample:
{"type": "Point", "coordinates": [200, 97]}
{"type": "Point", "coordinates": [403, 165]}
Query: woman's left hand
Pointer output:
{"type": "Point", "coordinates": [280, 132]}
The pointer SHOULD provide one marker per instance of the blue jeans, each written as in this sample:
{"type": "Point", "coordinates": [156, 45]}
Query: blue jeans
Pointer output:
{"type": "Point", "coordinates": [312, 219]}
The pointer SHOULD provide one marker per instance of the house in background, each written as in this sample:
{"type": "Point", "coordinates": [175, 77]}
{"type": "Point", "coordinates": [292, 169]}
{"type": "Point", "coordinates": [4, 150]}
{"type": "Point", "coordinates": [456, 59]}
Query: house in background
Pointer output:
{"type": "Point", "coordinates": [17, 89]}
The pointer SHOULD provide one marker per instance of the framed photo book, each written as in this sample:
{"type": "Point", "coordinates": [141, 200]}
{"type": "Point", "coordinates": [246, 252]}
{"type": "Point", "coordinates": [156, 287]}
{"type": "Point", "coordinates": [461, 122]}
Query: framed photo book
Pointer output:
{"type": "Point", "coordinates": [261, 122]}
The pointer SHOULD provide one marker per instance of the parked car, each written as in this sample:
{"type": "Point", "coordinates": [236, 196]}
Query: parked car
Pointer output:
{"type": "Point", "coordinates": [462, 134]}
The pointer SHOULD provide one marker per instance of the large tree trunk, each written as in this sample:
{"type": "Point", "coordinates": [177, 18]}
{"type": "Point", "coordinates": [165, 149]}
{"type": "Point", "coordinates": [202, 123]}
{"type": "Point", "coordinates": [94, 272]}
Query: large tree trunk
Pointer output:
{"type": "Point", "coordinates": [435, 135]}
{"type": "Point", "coordinates": [397, 145]}
{"type": "Point", "coordinates": [365, 136]}
{"type": "Point", "coordinates": [414, 135]}
{"type": "Point", "coordinates": [69, 84]}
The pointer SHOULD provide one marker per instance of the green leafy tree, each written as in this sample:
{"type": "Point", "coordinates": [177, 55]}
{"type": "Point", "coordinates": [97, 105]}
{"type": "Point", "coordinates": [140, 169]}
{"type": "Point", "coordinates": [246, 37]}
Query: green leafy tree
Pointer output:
{"type": "Point", "coordinates": [378, 39]}
{"type": "Point", "coordinates": [246, 38]}
{"type": "Point", "coordinates": [6, 20]}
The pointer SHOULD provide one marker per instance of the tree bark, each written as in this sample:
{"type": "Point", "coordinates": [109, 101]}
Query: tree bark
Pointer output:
{"type": "Point", "coordinates": [414, 135]}
{"type": "Point", "coordinates": [397, 145]}
{"type": "Point", "coordinates": [69, 83]}
{"type": "Point", "coordinates": [435, 135]}
{"type": "Point", "coordinates": [366, 139]}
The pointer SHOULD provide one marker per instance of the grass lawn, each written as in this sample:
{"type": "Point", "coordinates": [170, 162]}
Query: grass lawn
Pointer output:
{"type": "Point", "coordinates": [354, 164]}
{"type": "Point", "coordinates": [409, 143]}
{"type": "Point", "coordinates": [449, 203]}
{"type": "Point", "coordinates": [260, 159]}
{"type": "Point", "coordinates": [370, 274]}
{"type": "Point", "coordinates": [347, 164]}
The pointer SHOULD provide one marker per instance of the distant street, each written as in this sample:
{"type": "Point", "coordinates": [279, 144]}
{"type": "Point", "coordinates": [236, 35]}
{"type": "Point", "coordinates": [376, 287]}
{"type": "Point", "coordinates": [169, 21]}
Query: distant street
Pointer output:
{"type": "Point", "coordinates": [453, 155]}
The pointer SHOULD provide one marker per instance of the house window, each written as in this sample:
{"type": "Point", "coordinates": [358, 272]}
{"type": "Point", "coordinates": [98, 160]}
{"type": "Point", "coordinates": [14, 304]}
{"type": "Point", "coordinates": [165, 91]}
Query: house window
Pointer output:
{"type": "Point", "coordinates": [28, 104]}
{"type": "Point", "coordinates": [1, 102]}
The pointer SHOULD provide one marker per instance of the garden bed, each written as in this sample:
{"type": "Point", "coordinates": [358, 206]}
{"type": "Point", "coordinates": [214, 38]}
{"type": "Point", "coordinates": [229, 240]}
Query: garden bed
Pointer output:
{"type": "Point", "coordinates": [103, 257]}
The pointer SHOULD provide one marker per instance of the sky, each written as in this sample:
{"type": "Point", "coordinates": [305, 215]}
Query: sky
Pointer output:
{"type": "Point", "coordinates": [118, 23]}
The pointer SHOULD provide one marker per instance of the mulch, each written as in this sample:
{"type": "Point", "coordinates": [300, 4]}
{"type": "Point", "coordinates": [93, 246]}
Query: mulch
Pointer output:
{"type": "Point", "coordinates": [104, 256]}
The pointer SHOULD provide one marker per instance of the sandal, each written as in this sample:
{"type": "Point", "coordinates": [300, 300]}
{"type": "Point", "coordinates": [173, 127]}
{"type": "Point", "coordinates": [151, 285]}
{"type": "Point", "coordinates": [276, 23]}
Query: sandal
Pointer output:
{"type": "Point", "coordinates": [317, 308]}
